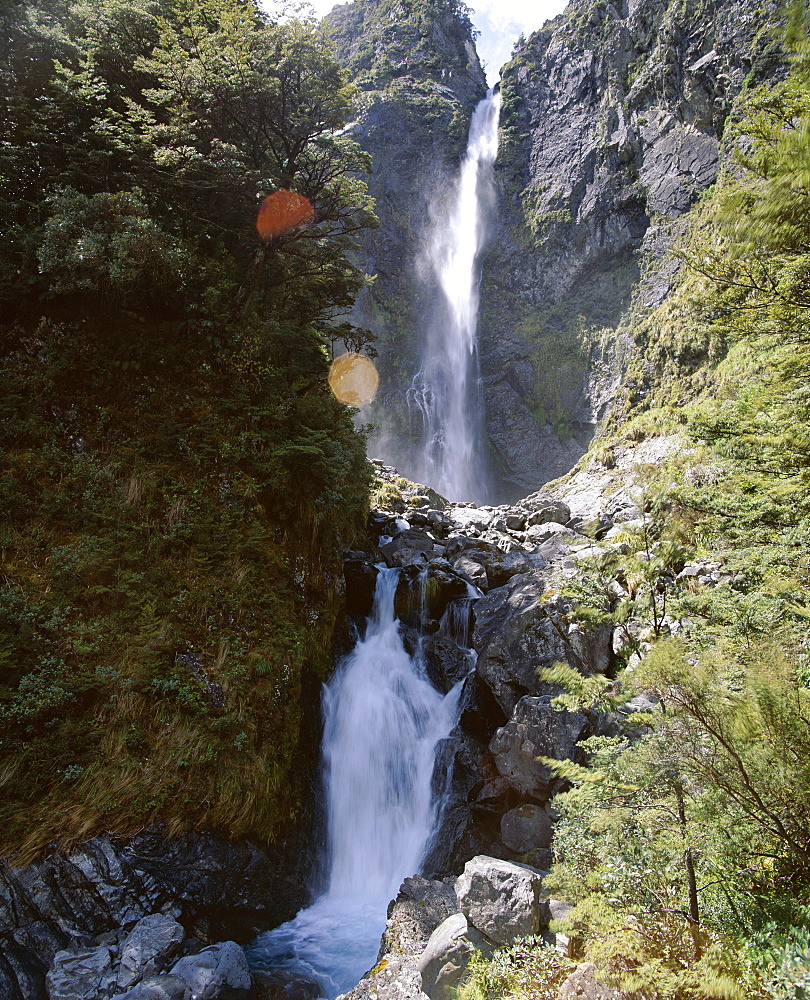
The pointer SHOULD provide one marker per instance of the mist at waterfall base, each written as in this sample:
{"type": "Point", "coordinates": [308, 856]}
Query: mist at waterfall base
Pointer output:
{"type": "Point", "coordinates": [445, 396]}
{"type": "Point", "coordinates": [382, 722]}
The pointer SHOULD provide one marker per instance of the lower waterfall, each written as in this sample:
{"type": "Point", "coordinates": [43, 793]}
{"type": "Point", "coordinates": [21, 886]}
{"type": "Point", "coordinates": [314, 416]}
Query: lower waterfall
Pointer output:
{"type": "Point", "coordinates": [382, 722]}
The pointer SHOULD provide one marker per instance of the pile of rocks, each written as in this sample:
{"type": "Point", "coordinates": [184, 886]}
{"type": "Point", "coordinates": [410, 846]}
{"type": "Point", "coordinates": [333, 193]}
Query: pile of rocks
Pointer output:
{"type": "Point", "coordinates": [434, 928]}
{"type": "Point", "coordinates": [152, 960]}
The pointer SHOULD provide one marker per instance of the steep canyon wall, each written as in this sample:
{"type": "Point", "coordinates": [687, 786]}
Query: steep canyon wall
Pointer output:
{"type": "Point", "coordinates": [612, 125]}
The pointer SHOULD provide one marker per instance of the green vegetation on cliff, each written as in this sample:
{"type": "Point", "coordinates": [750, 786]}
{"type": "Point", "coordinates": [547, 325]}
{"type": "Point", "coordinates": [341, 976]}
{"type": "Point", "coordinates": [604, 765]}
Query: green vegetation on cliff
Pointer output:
{"type": "Point", "coordinates": [177, 479]}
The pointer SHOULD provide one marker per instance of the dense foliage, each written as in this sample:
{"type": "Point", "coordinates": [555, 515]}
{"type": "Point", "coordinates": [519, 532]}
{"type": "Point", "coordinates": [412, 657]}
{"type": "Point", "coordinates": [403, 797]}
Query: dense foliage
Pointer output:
{"type": "Point", "coordinates": [177, 478]}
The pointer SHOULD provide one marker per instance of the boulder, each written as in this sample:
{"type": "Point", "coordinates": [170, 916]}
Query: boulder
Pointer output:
{"type": "Point", "coordinates": [516, 634]}
{"type": "Point", "coordinates": [285, 984]}
{"type": "Point", "coordinates": [502, 566]}
{"type": "Point", "coordinates": [219, 971]}
{"type": "Point", "coordinates": [582, 985]}
{"type": "Point", "coordinates": [537, 729]}
{"type": "Point", "coordinates": [544, 509]}
{"type": "Point", "coordinates": [526, 828]}
{"type": "Point", "coordinates": [502, 899]}
{"type": "Point", "coordinates": [445, 663]}
{"type": "Point", "coordinates": [409, 547]}
{"type": "Point", "coordinates": [474, 571]}
{"type": "Point", "coordinates": [539, 533]}
{"type": "Point", "coordinates": [158, 988]}
{"type": "Point", "coordinates": [593, 646]}
{"type": "Point", "coordinates": [423, 592]}
{"type": "Point", "coordinates": [459, 543]}
{"type": "Point", "coordinates": [559, 910]}
{"type": "Point", "coordinates": [447, 954]}
{"type": "Point", "coordinates": [394, 977]}
{"type": "Point", "coordinates": [81, 974]}
{"type": "Point", "coordinates": [147, 947]}
{"type": "Point", "coordinates": [421, 905]}
{"type": "Point", "coordinates": [468, 517]}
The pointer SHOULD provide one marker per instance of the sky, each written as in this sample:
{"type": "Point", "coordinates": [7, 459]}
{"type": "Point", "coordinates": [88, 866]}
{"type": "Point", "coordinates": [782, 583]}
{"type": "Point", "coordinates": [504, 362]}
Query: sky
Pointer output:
{"type": "Point", "coordinates": [500, 22]}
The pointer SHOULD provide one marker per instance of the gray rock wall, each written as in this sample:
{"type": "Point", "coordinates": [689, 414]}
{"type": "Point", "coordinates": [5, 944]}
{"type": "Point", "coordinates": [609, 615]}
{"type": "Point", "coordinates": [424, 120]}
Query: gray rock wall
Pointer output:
{"type": "Point", "coordinates": [613, 116]}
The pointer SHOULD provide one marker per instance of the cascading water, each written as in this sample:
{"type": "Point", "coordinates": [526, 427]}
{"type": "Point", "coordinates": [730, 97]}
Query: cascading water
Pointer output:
{"type": "Point", "coordinates": [446, 393]}
{"type": "Point", "coordinates": [383, 720]}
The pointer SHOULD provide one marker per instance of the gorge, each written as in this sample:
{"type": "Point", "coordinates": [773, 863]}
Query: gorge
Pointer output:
{"type": "Point", "coordinates": [446, 392]}
{"type": "Point", "coordinates": [532, 721]}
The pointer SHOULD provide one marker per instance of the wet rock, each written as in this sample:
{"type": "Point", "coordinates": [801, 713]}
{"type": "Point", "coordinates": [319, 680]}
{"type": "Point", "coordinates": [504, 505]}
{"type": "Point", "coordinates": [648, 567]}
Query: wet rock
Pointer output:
{"type": "Point", "coordinates": [424, 592]}
{"type": "Point", "coordinates": [536, 729]}
{"type": "Point", "coordinates": [474, 571]}
{"type": "Point", "coordinates": [81, 974]}
{"type": "Point", "coordinates": [22, 973]}
{"type": "Point", "coordinates": [409, 547]}
{"type": "Point", "coordinates": [502, 899]}
{"type": "Point", "coordinates": [158, 988]}
{"type": "Point", "coordinates": [526, 828]}
{"type": "Point", "coordinates": [147, 947]}
{"type": "Point", "coordinates": [222, 888]}
{"type": "Point", "coordinates": [360, 575]}
{"type": "Point", "coordinates": [226, 888]}
{"type": "Point", "coordinates": [481, 714]}
{"type": "Point", "coordinates": [445, 664]}
{"type": "Point", "coordinates": [489, 799]}
{"type": "Point", "coordinates": [284, 984]}
{"type": "Point", "coordinates": [220, 971]}
{"type": "Point", "coordinates": [460, 764]}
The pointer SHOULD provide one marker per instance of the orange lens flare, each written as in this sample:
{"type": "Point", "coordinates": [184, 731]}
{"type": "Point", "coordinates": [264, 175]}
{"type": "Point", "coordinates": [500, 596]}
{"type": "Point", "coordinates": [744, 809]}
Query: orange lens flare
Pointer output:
{"type": "Point", "coordinates": [282, 211]}
{"type": "Point", "coordinates": [354, 379]}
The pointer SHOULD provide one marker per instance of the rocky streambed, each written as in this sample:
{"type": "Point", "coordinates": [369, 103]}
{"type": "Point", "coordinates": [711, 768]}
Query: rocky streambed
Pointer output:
{"type": "Point", "coordinates": [166, 918]}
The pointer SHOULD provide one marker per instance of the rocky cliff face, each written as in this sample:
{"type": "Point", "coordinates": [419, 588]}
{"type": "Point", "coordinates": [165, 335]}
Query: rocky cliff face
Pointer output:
{"type": "Point", "coordinates": [613, 116]}
{"type": "Point", "coordinates": [415, 64]}
{"type": "Point", "coordinates": [611, 127]}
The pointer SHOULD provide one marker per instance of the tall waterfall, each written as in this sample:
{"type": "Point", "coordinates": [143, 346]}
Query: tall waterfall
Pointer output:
{"type": "Point", "coordinates": [383, 720]}
{"type": "Point", "coordinates": [446, 392]}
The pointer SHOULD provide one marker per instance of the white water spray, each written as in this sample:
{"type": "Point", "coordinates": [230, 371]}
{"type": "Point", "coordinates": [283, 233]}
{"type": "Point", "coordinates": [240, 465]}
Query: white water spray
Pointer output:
{"type": "Point", "coordinates": [383, 720]}
{"type": "Point", "coordinates": [446, 393]}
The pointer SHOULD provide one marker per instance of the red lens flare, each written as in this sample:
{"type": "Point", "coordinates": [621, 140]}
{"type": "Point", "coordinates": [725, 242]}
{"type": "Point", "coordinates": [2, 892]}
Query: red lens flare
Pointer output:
{"type": "Point", "coordinates": [281, 212]}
